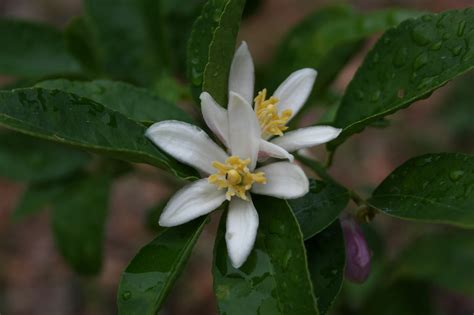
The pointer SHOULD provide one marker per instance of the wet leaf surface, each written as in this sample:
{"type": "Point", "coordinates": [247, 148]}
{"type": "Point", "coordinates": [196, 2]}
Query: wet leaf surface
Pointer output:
{"type": "Point", "coordinates": [275, 278]}
{"type": "Point", "coordinates": [435, 188]}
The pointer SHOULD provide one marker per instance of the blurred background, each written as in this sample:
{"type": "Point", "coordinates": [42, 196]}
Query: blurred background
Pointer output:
{"type": "Point", "coordinates": [34, 278]}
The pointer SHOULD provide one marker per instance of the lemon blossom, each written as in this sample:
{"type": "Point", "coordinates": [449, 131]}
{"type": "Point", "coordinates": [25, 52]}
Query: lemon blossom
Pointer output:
{"type": "Point", "coordinates": [273, 113]}
{"type": "Point", "coordinates": [229, 176]}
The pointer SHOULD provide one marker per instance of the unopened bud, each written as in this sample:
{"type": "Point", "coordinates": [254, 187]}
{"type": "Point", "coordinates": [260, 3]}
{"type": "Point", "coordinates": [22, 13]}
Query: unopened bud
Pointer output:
{"type": "Point", "coordinates": [357, 251]}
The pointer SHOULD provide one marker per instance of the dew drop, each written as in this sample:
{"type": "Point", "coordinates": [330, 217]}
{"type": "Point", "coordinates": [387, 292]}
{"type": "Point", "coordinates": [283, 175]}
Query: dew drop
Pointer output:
{"type": "Point", "coordinates": [375, 96]}
{"type": "Point", "coordinates": [286, 259]}
{"type": "Point", "coordinates": [461, 27]}
{"type": "Point", "coordinates": [217, 15]}
{"type": "Point", "coordinates": [457, 50]}
{"type": "Point", "coordinates": [196, 76]}
{"type": "Point", "coordinates": [418, 35]}
{"type": "Point", "coordinates": [420, 61]}
{"type": "Point", "coordinates": [456, 175]}
{"type": "Point", "coordinates": [401, 93]}
{"type": "Point", "coordinates": [436, 46]}
{"type": "Point", "coordinates": [126, 295]}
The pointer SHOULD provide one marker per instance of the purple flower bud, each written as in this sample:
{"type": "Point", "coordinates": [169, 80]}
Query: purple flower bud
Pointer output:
{"type": "Point", "coordinates": [357, 251]}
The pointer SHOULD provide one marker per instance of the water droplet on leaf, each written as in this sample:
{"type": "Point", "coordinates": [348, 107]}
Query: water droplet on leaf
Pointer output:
{"type": "Point", "coordinates": [420, 61]}
{"type": "Point", "coordinates": [436, 46]}
{"type": "Point", "coordinates": [375, 96]}
{"type": "Point", "coordinates": [126, 295]}
{"type": "Point", "coordinates": [456, 175]}
{"type": "Point", "coordinates": [419, 36]}
{"type": "Point", "coordinates": [461, 27]}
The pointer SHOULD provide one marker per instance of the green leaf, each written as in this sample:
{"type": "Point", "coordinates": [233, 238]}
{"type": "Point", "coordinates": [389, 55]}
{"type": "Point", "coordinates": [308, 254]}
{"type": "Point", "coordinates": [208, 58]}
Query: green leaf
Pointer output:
{"type": "Point", "coordinates": [131, 38]}
{"type": "Point", "coordinates": [211, 47]}
{"type": "Point", "coordinates": [326, 40]}
{"type": "Point", "coordinates": [70, 119]}
{"type": "Point", "coordinates": [34, 50]}
{"type": "Point", "coordinates": [445, 259]}
{"type": "Point", "coordinates": [407, 63]}
{"type": "Point", "coordinates": [81, 43]}
{"type": "Point", "coordinates": [24, 158]}
{"type": "Point", "coordinates": [35, 199]}
{"type": "Point", "coordinates": [326, 263]}
{"type": "Point", "coordinates": [134, 102]}
{"type": "Point", "coordinates": [150, 275]}
{"type": "Point", "coordinates": [78, 223]}
{"type": "Point", "coordinates": [433, 188]}
{"type": "Point", "coordinates": [275, 278]}
{"type": "Point", "coordinates": [320, 207]}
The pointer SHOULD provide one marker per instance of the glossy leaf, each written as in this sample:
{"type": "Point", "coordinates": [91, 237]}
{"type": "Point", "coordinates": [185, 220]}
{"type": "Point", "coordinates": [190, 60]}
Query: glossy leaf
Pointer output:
{"type": "Point", "coordinates": [275, 277]}
{"type": "Point", "coordinates": [327, 39]}
{"type": "Point", "coordinates": [445, 259]}
{"type": "Point", "coordinates": [134, 102]}
{"type": "Point", "coordinates": [316, 210]}
{"type": "Point", "coordinates": [407, 63]}
{"type": "Point", "coordinates": [434, 188]}
{"type": "Point", "coordinates": [211, 47]}
{"type": "Point", "coordinates": [78, 222]}
{"type": "Point", "coordinates": [24, 158]}
{"type": "Point", "coordinates": [70, 119]}
{"type": "Point", "coordinates": [34, 50]}
{"type": "Point", "coordinates": [151, 274]}
{"type": "Point", "coordinates": [131, 36]}
{"type": "Point", "coordinates": [326, 262]}
{"type": "Point", "coordinates": [36, 198]}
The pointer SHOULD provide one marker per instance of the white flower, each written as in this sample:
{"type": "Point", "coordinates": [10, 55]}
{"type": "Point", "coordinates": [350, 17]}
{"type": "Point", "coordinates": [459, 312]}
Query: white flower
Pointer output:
{"type": "Point", "coordinates": [231, 177]}
{"type": "Point", "coordinates": [274, 113]}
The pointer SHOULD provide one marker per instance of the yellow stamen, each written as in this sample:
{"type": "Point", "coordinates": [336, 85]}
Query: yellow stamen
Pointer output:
{"type": "Point", "coordinates": [235, 176]}
{"type": "Point", "coordinates": [271, 123]}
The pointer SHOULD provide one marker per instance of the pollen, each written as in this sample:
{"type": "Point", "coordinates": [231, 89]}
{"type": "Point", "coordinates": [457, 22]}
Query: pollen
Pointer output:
{"type": "Point", "coordinates": [271, 123]}
{"type": "Point", "coordinates": [235, 176]}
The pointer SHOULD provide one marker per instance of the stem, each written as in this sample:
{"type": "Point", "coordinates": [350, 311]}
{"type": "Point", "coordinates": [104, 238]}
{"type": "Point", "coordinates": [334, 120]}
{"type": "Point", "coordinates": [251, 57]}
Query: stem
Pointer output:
{"type": "Point", "coordinates": [365, 212]}
{"type": "Point", "coordinates": [330, 159]}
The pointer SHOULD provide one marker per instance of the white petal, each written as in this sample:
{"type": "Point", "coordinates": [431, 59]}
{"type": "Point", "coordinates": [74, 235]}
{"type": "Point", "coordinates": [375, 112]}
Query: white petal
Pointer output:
{"type": "Point", "coordinates": [192, 201]}
{"type": "Point", "coordinates": [244, 130]}
{"type": "Point", "coordinates": [242, 73]}
{"type": "Point", "coordinates": [241, 230]}
{"type": "Point", "coordinates": [186, 143]}
{"type": "Point", "coordinates": [306, 137]}
{"type": "Point", "coordinates": [284, 180]}
{"type": "Point", "coordinates": [268, 149]}
{"type": "Point", "coordinates": [215, 117]}
{"type": "Point", "coordinates": [295, 90]}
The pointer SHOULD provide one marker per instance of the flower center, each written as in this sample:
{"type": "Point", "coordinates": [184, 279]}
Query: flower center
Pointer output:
{"type": "Point", "coordinates": [235, 176]}
{"type": "Point", "coordinates": [271, 123]}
